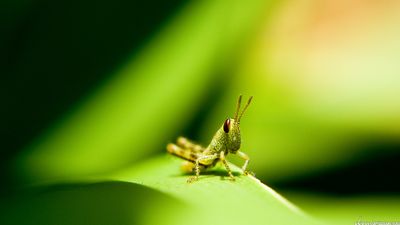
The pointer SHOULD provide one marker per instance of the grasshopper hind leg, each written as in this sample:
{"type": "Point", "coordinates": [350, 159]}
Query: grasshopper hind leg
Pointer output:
{"type": "Point", "coordinates": [196, 159]}
{"type": "Point", "coordinates": [187, 144]}
{"type": "Point", "coordinates": [189, 167]}
{"type": "Point", "coordinates": [186, 154]}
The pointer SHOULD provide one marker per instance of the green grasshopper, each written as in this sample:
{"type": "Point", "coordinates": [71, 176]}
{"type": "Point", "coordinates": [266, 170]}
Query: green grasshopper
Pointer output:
{"type": "Point", "coordinates": [226, 140]}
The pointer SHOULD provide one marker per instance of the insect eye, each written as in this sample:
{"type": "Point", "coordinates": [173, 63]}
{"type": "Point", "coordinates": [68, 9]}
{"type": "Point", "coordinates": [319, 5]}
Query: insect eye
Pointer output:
{"type": "Point", "coordinates": [227, 125]}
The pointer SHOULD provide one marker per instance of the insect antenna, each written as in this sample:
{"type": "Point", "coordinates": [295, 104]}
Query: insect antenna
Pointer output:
{"type": "Point", "coordinates": [245, 107]}
{"type": "Point", "coordinates": [238, 107]}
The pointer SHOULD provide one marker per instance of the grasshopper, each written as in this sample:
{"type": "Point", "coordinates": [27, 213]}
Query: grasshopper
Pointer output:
{"type": "Point", "coordinates": [226, 140]}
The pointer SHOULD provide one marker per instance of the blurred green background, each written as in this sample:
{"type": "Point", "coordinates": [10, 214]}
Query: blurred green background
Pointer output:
{"type": "Point", "coordinates": [90, 88]}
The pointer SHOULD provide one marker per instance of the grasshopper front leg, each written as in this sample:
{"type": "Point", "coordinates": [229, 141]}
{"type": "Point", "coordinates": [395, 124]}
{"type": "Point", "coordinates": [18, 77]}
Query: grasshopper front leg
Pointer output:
{"type": "Point", "coordinates": [197, 166]}
{"type": "Point", "coordinates": [247, 159]}
{"type": "Point", "coordinates": [222, 158]}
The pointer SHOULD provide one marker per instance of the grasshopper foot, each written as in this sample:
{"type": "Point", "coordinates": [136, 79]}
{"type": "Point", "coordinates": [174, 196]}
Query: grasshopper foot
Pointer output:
{"type": "Point", "coordinates": [246, 172]}
{"type": "Point", "coordinates": [231, 177]}
{"type": "Point", "coordinates": [192, 179]}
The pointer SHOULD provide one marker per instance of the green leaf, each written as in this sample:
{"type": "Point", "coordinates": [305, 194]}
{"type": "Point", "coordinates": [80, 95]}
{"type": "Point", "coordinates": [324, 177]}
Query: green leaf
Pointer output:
{"type": "Point", "coordinates": [216, 199]}
{"type": "Point", "coordinates": [155, 192]}
{"type": "Point", "coordinates": [106, 202]}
